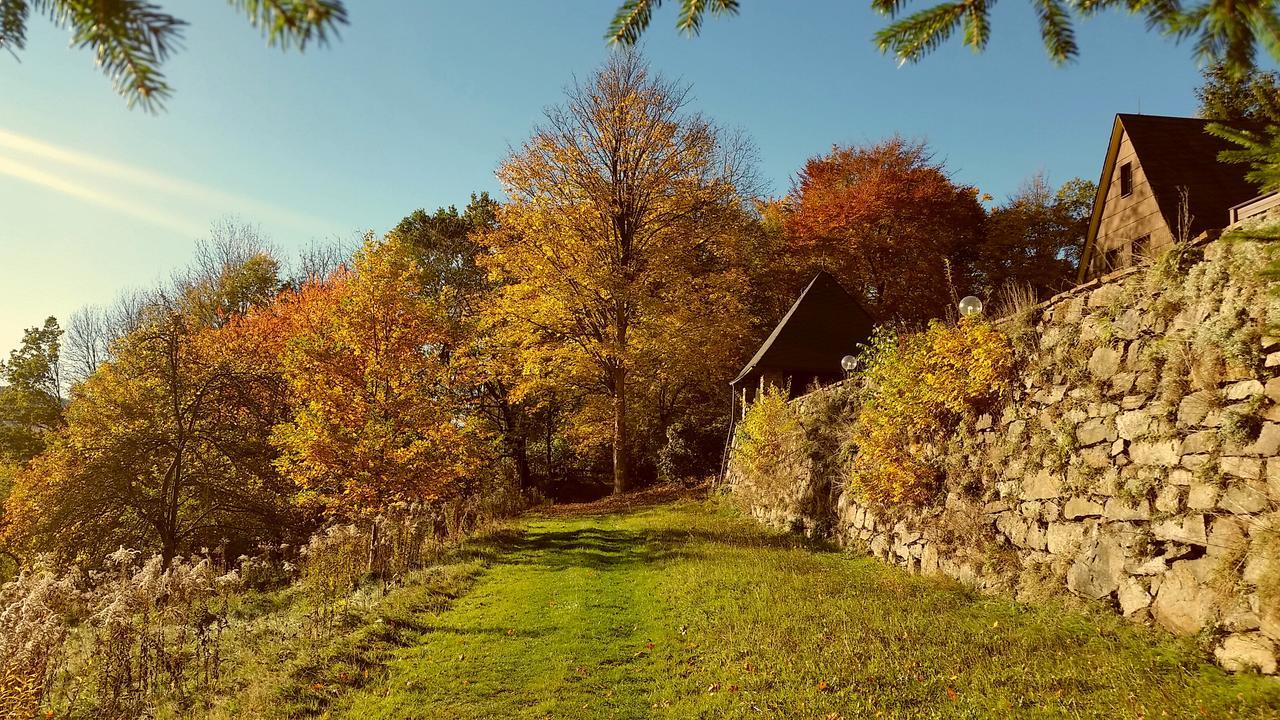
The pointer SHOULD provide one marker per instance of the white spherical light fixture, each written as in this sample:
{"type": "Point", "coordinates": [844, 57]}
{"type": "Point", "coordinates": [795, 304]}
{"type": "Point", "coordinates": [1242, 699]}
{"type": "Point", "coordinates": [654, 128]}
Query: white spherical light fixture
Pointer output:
{"type": "Point", "coordinates": [849, 363]}
{"type": "Point", "coordinates": [970, 306]}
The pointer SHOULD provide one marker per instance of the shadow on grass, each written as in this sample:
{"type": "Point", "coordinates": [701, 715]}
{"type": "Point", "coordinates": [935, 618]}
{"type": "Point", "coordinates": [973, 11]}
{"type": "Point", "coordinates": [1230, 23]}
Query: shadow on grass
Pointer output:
{"type": "Point", "coordinates": [603, 549]}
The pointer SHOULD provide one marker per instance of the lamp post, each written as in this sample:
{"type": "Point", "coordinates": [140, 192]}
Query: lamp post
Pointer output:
{"type": "Point", "coordinates": [970, 306]}
{"type": "Point", "coordinates": [849, 363]}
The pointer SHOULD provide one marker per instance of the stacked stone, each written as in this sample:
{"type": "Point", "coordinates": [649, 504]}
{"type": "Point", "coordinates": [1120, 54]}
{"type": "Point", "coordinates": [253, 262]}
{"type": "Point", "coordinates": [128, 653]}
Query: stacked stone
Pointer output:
{"type": "Point", "coordinates": [1152, 508]}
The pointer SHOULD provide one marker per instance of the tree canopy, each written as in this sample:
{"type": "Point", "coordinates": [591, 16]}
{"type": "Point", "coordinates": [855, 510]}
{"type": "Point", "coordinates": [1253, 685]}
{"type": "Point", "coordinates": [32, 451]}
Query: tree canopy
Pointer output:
{"type": "Point", "coordinates": [609, 241]}
{"type": "Point", "coordinates": [890, 223]}
{"type": "Point", "coordinates": [1034, 239]}
{"type": "Point", "coordinates": [574, 337]}
{"type": "Point", "coordinates": [1228, 97]}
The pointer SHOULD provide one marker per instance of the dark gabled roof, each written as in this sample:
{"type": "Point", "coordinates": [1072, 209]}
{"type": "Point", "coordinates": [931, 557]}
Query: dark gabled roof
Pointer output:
{"type": "Point", "coordinates": [1176, 152]}
{"type": "Point", "coordinates": [823, 325]}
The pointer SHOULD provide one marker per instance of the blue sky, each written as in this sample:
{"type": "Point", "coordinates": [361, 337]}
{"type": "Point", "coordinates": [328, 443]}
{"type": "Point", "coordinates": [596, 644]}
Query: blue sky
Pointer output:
{"type": "Point", "coordinates": [419, 101]}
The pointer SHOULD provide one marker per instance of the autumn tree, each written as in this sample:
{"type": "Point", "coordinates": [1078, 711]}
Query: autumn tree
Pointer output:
{"type": "Point", "coordinates": [447, 245]}
{"type": "Point", "coordinates": [320, 259]}
{"type": "Point", "coordinates": [1034, 239]}
{"type": "Point", "coordinates": [1225, 96]}
{"type": "Point", "coordinates": [889, 223]}
{"type": "Point", "coordinates": [86, 344]}
{"type": "Point", "coordinates": [166, 444]}
{"type": "Point", "coordinates": [165, 448]}
{"type": "Point", "coordinates": [233, 271]}
{"type": "Point", "coordinates": [31, 408]}
{"type": "Point", "coordinates": [758, 247]}
{"type": "Point", "coordinates": [374, 419]}
{"type": "Point", "coordinates": [92, 329]}
{"type": "Point", "coordinates": [31, 393]}
{"type": "Point", "coordinates": [1245, 108]}
{"type": "Point", "coordinates": [615, 202]}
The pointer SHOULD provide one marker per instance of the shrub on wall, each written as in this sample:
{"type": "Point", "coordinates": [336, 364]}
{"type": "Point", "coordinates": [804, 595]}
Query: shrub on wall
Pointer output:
{"type": "Point", "coordinates": [768, 443]}
{"type": "Point", "coordinates": [918, 387]}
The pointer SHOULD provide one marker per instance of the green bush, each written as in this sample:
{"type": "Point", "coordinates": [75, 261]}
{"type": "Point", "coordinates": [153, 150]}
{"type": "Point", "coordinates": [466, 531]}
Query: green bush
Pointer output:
{"type": "Point", "coordinates": [769, 444]}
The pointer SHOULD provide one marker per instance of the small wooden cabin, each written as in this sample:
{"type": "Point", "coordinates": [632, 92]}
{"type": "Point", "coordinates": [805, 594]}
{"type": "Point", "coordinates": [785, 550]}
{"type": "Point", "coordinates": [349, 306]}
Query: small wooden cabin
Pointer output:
{"type": "Point", "coordinates": [823, 325]}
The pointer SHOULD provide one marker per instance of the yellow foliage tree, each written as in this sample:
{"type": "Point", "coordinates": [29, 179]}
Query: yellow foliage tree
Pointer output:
{"type": "Point", "coordinates": [166, 447]}
{"type": "Point", "coordinates": [607, 254]}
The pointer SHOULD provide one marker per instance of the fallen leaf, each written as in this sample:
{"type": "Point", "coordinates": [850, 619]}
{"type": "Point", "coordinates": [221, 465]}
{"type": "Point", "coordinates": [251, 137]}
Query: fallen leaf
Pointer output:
{"type": "Point", "coordinates": [823, 686]}
{"type": "Point", "coordinates": [951, 694]}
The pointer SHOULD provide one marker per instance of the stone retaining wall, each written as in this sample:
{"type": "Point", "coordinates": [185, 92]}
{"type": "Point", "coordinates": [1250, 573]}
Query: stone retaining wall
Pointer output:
{"type": "Point", "coordinates": [1136, 463]}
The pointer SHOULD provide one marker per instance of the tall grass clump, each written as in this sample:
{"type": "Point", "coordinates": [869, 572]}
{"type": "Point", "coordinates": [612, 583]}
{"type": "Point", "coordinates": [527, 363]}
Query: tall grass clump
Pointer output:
{"type": "Point", "coordinates": [137, 638]}
{"type": "Point", "coordinates": [153, 633]}
{"type": "Point", "coordinates": [34, 609]}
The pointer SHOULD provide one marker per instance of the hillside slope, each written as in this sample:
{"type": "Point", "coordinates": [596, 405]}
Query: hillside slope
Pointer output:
{"type": "Point", "coordinates": [686, 610]}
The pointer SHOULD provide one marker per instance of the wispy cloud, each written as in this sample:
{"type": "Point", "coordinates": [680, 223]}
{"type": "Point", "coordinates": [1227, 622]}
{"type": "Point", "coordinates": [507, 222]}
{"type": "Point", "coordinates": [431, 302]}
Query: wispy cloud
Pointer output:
{"type": "Point", "coordinates": [78, 174]}
{"type": "Point", "coordinates": [123, 205]}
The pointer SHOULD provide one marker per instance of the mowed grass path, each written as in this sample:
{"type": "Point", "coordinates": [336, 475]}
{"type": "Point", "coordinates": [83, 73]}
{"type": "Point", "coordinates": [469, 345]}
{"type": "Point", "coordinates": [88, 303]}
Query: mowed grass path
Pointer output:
{"type": "Point", "coordinates": [687, 611]}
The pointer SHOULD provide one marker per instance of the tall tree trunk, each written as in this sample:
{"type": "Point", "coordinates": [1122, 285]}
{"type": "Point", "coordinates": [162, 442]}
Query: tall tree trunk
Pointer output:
{"type": "Point", "coordinates": [621, 434]}
{"type": "Point", "coordinates": [521, 453]}
{"type": "Point", "coordinates": [515, 439]}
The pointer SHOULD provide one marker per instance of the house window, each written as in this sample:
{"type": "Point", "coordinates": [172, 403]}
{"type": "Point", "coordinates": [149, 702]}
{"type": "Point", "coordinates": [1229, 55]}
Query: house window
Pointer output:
{"type": "Point", "coordinates": [1111, 260]}
{"type": "Point", "coordinates": [1142, 248]}
{"type": "Point", "coordinates": [1126, 179]}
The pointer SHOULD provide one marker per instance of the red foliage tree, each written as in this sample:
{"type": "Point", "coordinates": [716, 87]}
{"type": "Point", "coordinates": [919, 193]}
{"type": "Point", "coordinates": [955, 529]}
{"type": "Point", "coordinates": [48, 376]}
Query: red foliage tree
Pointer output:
{"type": "Point", "coordinates": [889, 223]}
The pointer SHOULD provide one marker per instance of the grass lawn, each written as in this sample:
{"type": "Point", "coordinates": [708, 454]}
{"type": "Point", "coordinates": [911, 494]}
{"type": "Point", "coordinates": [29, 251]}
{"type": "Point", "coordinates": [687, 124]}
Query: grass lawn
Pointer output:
{"type": "Point", "coordinates": [685, 610]}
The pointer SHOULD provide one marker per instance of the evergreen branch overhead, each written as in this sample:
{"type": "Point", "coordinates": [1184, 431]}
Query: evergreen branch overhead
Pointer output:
{"type": "Point", "coordinates": [888, 7]}
{"type": "Point", "coordinates": [631, 20]}
{"type": "Point", "coordinates": [1261, 149]}
{"type": "Point", "coordinates": [286, 23]}
{"type": "Point", "coordinates": [13, 24]}
{"type": "Point", "coordinates": [1056, 31]}
{"type": "Point", "coordinates": [1229, 31]}
{"type": "Point", "coordinates": [691, 12]}
{"type": "Point", "coordinates": [132, 39]}
{"type": "Point", "coordinates": [633, 17]}
{"type": "Point", "coordinates": [922, 32]}
{"type": "Point", "coordinates": [978, 24]}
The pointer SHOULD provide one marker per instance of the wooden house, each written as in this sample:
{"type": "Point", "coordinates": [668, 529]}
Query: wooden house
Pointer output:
{"type": "Point", "coordinates": [1152, 164]}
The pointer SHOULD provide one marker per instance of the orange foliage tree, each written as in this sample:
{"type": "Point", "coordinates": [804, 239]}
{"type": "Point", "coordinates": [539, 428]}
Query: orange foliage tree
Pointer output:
{"type": "Point", "coordinates": [889, 223]}
{"type": "Point", "coordinates": [374, 421]}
